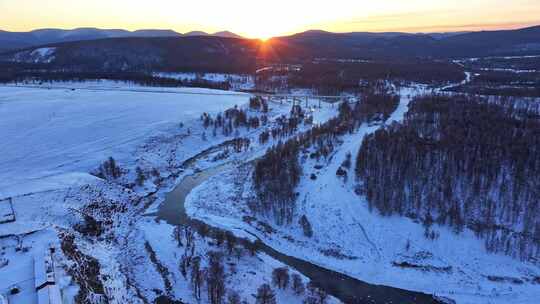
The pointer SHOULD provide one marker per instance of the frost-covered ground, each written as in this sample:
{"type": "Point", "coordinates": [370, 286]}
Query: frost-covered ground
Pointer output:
{"type": "Point", "coordinates": [350, 239]}
{"type": "Point", "coordinates": [53, 135]}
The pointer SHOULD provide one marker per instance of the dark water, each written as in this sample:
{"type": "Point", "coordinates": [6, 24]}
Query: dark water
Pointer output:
{"type": "Point", "coordinates": [346, 288]}
{"type": "Point", "coordinates": [343, 287]}
{"type": "Point", "coordinates": [172, 209]}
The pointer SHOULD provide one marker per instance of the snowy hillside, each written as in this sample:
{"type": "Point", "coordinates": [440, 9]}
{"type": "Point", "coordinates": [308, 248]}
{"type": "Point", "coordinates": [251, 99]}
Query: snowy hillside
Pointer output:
{"type": "Point", "coordinates": [348, 237]}
{"type": "Point", "coordinates": [40, 55]}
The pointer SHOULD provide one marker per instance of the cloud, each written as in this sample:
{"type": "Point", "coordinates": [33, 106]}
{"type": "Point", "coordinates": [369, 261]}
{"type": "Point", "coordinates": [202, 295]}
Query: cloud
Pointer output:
{"type": "Point", "coordinates": [385, 18]}
{"type": "Point", "coordinates": [437, 20]}
{"type": "Point", "coordinates": [467, 27]}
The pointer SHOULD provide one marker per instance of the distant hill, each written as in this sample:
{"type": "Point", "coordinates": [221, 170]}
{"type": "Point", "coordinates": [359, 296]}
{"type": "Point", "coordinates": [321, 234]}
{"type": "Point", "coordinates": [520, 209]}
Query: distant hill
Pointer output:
{"type": "Point", "coordinates": [196, 33]}
{"type": "Point", "coordinates": [195, 53]}
{"type": "Point", "coordinates": [155, 33]}
{"type": "Point", "coordinates": [399, 45]}
{"type": "Point", "coordinates": [495, 42]}
{"type": "Point", "coordinates": [199, 51]}
{"type": "Point", "coordinates": [227, 34]}
{"type": "Point", "coordinates": [224, 34]}
{"type": "Point", "coordinates": [17, 40]}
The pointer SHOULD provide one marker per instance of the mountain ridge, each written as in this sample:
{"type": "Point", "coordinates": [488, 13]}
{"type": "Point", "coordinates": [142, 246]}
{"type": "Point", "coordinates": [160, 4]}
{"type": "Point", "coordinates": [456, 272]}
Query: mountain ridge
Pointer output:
{"type": "Point", "coordinates": [201, 51]}
{"type": "Point", "coordinates": [18, 40]}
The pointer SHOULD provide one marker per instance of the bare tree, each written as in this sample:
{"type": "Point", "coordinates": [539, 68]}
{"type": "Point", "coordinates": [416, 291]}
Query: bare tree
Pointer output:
{"type": "Point", "coordinates": [306, 226]}
{"type": "Point", "coordinates": [140, 176]}
{"type": "Point", "coordinates": [197, 276]}
{"type": "Point", "coordinates": [265, 295]}
{"type": "Point", "coordinates": [316, 295]}
{"type": "Point", "coordinates": [215, 278]}
{"type": "Point", "coordinates": [230, 240]}
{"type": "Point", "coordinates": [177, 234]}
{"type": "Point", "coordinates": [233, 297]}
{"type": "Point", "coordinates": [280, 277]}
{"type": "Point", "coordinates": [298, 284]}
{"type": "Point", "coordinates": [188, 235]}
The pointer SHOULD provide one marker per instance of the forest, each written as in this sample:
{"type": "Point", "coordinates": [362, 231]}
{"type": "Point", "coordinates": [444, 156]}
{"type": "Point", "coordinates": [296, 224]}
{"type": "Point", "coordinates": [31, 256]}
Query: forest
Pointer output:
{"type": "Point", "coordinates": [17, 75]}
{"type": "Point", "coordinates": [278, 172]}
{"type": "Point", "coordinates": [331, 77]}
{"type": "Point", "coordinates": [461, 161]}
{"type": "Point", "coordinates": [503, 82]}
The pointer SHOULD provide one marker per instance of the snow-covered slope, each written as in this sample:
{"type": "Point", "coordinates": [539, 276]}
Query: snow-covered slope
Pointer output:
{"type": "Point", "coordinates": [40, 55]}
{"type": "Point", "coordinates": [349, 238]}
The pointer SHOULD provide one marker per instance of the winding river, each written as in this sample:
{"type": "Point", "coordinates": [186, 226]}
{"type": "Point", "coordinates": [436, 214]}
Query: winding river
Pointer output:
{"type": "Point", "coordinates": [345, 288]}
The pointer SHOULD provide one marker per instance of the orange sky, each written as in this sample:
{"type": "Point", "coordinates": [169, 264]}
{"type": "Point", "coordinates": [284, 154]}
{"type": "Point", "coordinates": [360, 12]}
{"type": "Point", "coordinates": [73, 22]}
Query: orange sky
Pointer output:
{"type": "Point", "coordinates": [262, 19]}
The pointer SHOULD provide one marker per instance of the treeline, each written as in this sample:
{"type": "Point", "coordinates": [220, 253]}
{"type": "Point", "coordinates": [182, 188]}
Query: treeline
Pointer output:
{"type": "Point", "coordinates": [503, 83]}
{"type": "Point", "coordinates": [231, 119]}
{"type": "Point", "coordinates": [501, 63]}
{"type": "Point", "coordinates": [278, 172]}
{"type": "Point", "coordinates": [507, 81]}
{"type": "Point", "coordinates": [210, 272]}
{"type": "Point", "coordinates": [460, 161]}
{"type": "Point", "coordinates": [480, 89]}
{"type": "Point", "coordinates": [44, 77]}
{"type": "Point", "coordinates": [335, 77]}
{"type": "Point", "coordinates": [276, 176]}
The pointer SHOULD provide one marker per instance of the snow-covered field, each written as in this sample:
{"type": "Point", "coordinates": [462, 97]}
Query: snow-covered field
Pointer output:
{"type": "Point", "coordinates": [53, 137]}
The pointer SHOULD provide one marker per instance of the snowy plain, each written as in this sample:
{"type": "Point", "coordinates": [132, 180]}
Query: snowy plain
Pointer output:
{"type": "Point", "coordinates": [57, 135]}
{"type": "Point", "coordinates": [53, 136]}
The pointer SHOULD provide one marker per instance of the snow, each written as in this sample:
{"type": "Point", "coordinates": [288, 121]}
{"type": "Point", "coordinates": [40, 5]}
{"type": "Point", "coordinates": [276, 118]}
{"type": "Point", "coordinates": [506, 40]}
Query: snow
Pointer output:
{"type": "Point", "coordinates": [19, 272]}
{"type": "Point", "coordinates": [367, 243]}
{"type": "Point", "coordinates": [42, 270]}
{"type": "Point", "coordinates": [53, 135]}
{"type": "Point", "coordinates": [237, 81]}
{"type": "Point", "coordinates": [473, 59]}
{"type": "Point", "coordinates": [468, 78]}
{"type": "Point", "coordinates": [244, 275]}
{"type": "Point", "coordinates": [117, 86]}
{"type": "Point", "coordinates": [39, 55]}
{"type": "Point", "coordinates": [53, 138]}
{"type": "Point", "coordinates": [6, 211]}
{"type": "Point", "coordinates": [508, 70]}
{"type": "Point", "coordinates": [44, 54]}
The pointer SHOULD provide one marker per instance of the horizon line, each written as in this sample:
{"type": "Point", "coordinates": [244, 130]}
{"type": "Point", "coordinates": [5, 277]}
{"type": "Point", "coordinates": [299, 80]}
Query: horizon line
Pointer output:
{"type": "Point", "coordinates": [407, 30]}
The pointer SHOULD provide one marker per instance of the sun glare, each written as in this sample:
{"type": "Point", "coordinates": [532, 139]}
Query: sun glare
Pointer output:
{"type": "Point", "coordinates": [263, 32]}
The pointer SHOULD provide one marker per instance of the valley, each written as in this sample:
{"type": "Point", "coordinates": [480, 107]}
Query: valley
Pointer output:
{"type": "Point", "coordinates": [312, 168]}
